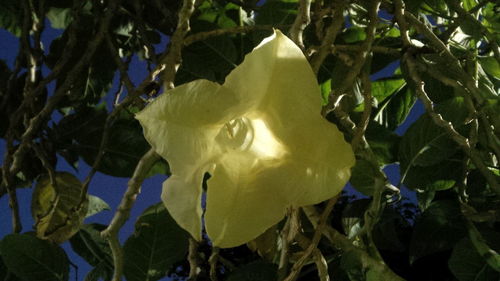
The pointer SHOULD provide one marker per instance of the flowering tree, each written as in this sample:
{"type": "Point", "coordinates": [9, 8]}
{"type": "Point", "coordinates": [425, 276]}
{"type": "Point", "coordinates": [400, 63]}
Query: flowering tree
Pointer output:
{"type": "Point", "coordinates": [259, 112]}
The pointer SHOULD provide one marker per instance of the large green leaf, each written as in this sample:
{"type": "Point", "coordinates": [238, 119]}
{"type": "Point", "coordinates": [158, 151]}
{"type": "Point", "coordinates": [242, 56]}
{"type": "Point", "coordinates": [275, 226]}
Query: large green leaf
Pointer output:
{"type": "Point", "coordinates": [95, 79]}
{"type": "Point", "coordinates": [31, 258]}
{"type": "Point", "coordinates": [277, 12]}
{"type": "Point", "coordinates": [11, 14]}
{"type": "Point", "coordinates": [90, 245]}
{"type": "Point", "coordinates": [440, 176]}
{"type": "Point", "coordinates": [363, 176]}
{"type": "Point", "coordinates": [383, 142]}
{"type": "Point", "coordinates": [82, 131]}
{"type": "Point", "coordinates": [438, 229]}
{"type": "Point", "coordinates": [425, 144]}
{"type": "Point", "coordinates": [467, 265]}
{"type": "Point", "coordinates": [211, 59]}
{"type": "Point", "coordinates": [395, 107]}
{"type": "Point", "coordinates": [255, 271]}
{"type": "Point", "coordinates": [59, 17]}
{"type": "Point", "coordinates": [57, 207]}
{"type": "Point", "coordinates": [158, 243]}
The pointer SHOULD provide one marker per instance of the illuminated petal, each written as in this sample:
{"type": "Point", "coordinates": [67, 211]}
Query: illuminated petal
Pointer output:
{"type": "Point", "coordinates": [182, 196]}
{"type": "Point", "coordinates": [181, 126]}
{"type": "Point", "coordinates": [261, 137]}
{"type": "Point", "coordinates": [269, 71]}
{"type": "Point", "coordinates": [245, 197]}
{"type": "Point", "coordinates": [250, 190]}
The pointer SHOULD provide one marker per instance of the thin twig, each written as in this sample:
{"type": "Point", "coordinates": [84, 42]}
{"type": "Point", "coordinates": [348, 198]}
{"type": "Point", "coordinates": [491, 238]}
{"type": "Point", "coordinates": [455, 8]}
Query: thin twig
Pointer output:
{"type": "Point", "coordinates": [193, 260]}
{"type": "Point", "coordinates": [376, 49]}
{"type": "Point", "coordinates": [288, 233]}
{"type": "Point", "coordinates": [173, 58]}
{"type": "Point", "coordinates": [36, 122]}
{"type": "Point", "coordinates": [302, 19]}
{"type": "Point", "coordinates": [331, 34]}
{"type": "Point", "coordinates": [317, 256]}
{"type": "Point", "coordinates": [462, 13]}
{"type": "Point", "coordinates": [123, 212]}
{"type": "Point", "coordinates": [365, 117]}
{"type": "Point", "coordinates": [361, 56]}
{"type": "Point", "coordinates": [343, 243]}
{"type": "Point", "coordinates": [463, 142]}
{"type": "Point", "coordinates": [314, 243]}
{"type": "Point", "coordinates": [200, 36]}
{"type": "Point", "coordinates": [150, 49]}
{"type": "Point", "coordinates": [213, 260]}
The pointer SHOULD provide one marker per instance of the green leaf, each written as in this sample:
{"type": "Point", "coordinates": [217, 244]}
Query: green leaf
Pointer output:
{"type": "Point", "coordinates": [95, 80]}
{"type": "Point", "coordinates": [255, 271]}
{"type": "Point", "coordinates": [3, 269]}
{"type": "Point", "coordinates": [59, 18]}
{"type": "Point", "coordinates": [387, 87]}
{"type": "Point", "coordinates": [440, 176]}
{"type": "Point", "coordinates": [438, 229]}
{"type": "Point", "coordinates": [413, 5]}
{"type": "Point", "coordinates": [352, 216]}
{"type": "Point", "coordinates": [158, 243]}
{"type": "Point", "coordinates": [31, 258]}
{"type": "Point", "coordinates": [277, 12]}
{"type": "Point", "coordinates": [467, 265]}
{"type": "Point", "coordinates": [393, 110]}
{"type": "Point", "coordinates": [438, 6]}
{"type": "Point", "coordinates": [96, 205]}
{"type": "Point", "coordinates": [326, 88]}
{"type": "Point", "coordinates": [11, 14]}
{"type": "Point", "coordinates": [425, 144]}
{"type": "Point", "coordinates": [211, 59]}
{"type": "Point", "coordinates": [387, 231]}
{"type": "Point", "coordinates": [383, 142]}
{"type": "Point", "coordinates": [492, 19]}
{"type": "Point", "coordinates": [57, 207]}
{"type": "Point", "coordinates": [437, 91]}
{"type": "Point", "coordinates": [82, 132]}
{"type": "Point", "coordinates": [353, 35]}
{"type": "Point", "coordinates": [362, 177]}
{"type": "Point", "coordinates": [91, 246]}
{"type": "Point", "coordinates": [354, 265]}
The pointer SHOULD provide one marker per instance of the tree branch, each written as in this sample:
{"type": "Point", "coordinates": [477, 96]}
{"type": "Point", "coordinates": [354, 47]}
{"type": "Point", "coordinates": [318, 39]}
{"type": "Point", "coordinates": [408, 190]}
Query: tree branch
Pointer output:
{"type": "Point", "coordinates": [341, 242]}
{"type": "Point", "coordinates": [321, 224]}
{"type": "Point", "coordinates": [173, 58]}
{"type": "Point", "coordinates": [302, 19]}
{"type": "Point", "coordinates": [123, 212]}
{"type": "Point", "coordinates": [200, 36]}
{"type": "Point", "coordinates": [331, 34]}
{"type": "Point", "coordinates": [363, 53]}
{"type": "Point", "coordinates": [463, 142]}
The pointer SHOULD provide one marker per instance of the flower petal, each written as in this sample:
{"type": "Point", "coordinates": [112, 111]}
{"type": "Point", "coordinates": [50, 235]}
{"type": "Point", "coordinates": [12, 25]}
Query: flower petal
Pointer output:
{"type": "Point", "coordinates": [244, 198]}
{"type": "Point", "coordinates": [181, 125]}
{"type": "Point", "coordinates": [277, 62]}
{"type": "Point", "coordinates": [182, 197]}
{"type": "Point", "coordinates": [247, 194]}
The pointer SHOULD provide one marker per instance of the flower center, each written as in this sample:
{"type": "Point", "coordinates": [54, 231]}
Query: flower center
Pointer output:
{"type": "Point", "coordinates": [253, 135]}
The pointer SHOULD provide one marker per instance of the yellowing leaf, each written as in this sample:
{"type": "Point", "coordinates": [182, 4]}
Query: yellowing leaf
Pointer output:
{"type": "Point", "coordinates": [260, 136]}
{"type": "Point", "coordinates": [57, 208]}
